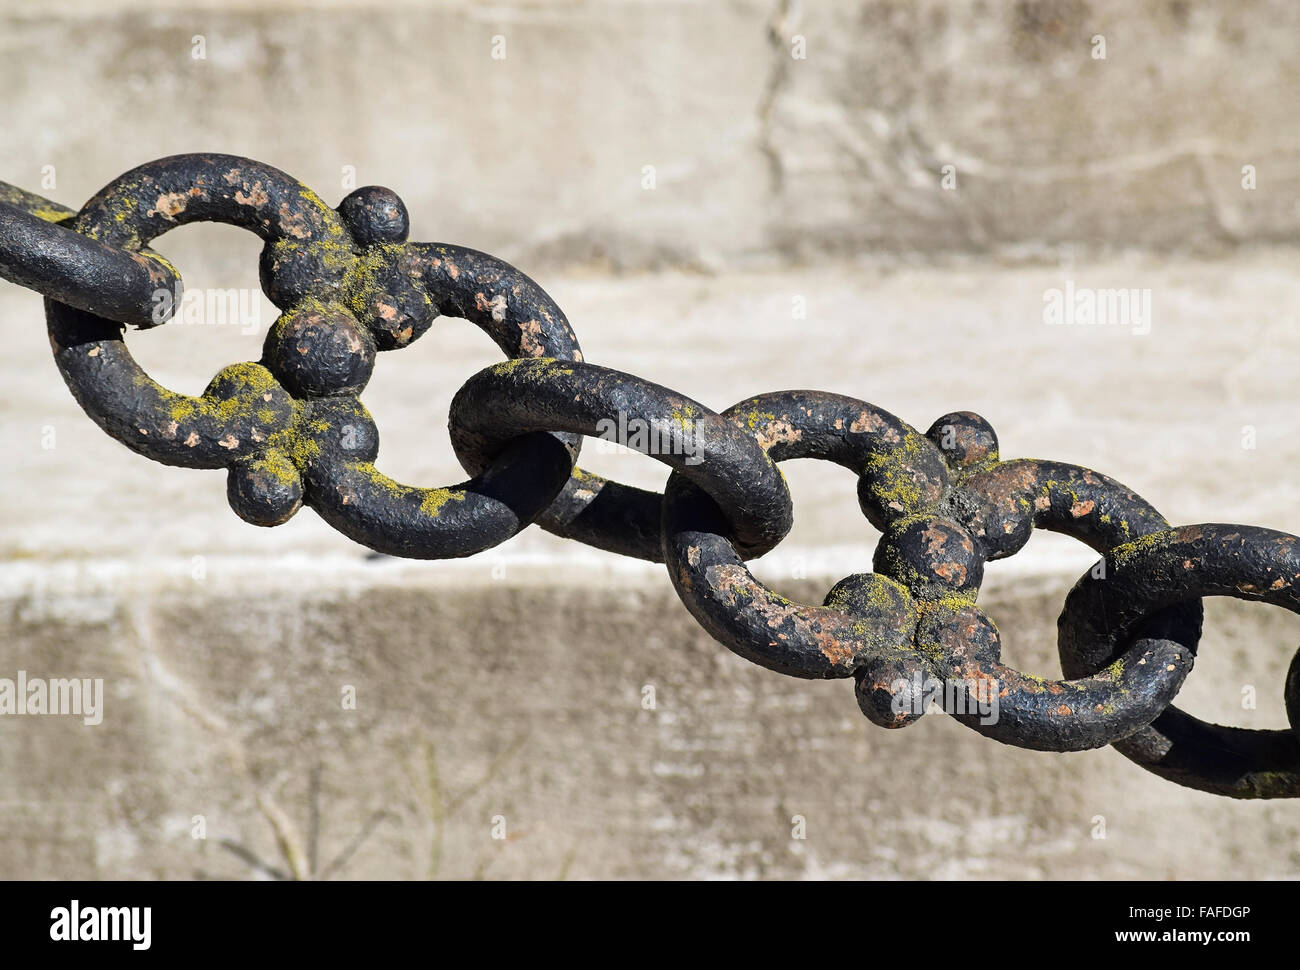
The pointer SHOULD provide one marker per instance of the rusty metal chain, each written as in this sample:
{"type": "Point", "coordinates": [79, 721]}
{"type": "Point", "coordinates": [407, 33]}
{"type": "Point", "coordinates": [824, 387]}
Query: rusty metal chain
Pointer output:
{"type": "Point", "coordinates": [291, 430]}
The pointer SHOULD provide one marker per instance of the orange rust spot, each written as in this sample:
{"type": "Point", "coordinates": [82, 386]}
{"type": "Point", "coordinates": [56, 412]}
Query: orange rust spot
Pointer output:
{"type": "Point", "coordinates": [293, 223]}
{"type": "Point", "coordinates": [935, 538]}
{"type": "Point", "coordinates": [256, 196]}
{"type": "Point", "coordinates": [1064, 710]}
{"type": "Point", "coordinates": [496, 306]}
{"type": "Point", "coordinates": [867, 421]}
{"type": "Point", "coordinates": [953, 572]}
{"type": "Point", "coordinates": [531, 343]}
{"type": "Point", "coordinates": [1082, 508]}
{"type": "Point", "coordinates": [778, 431]}
{"type": "Point", "coordinates": [169, 204]}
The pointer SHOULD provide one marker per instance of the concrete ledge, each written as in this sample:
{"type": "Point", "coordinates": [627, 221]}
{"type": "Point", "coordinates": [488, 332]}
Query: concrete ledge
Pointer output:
{"type": "Point", "coordinates": [1196, 415]}
{"type": "Point", "coordinates": [523, 699]}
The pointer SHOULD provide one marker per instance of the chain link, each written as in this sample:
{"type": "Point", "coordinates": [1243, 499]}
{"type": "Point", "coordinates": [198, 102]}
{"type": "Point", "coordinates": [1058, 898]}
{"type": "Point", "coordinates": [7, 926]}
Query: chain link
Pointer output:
{"type": "Point", "coordinates": [290, 430]}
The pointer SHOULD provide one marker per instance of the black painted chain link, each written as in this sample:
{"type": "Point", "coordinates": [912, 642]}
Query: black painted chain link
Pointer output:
{"type": "Point", "coordinates": [291, 430]}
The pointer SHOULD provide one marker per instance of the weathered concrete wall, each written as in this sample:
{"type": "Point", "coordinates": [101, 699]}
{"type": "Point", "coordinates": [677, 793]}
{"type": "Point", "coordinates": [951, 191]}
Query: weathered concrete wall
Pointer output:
{"type": "Point", "coordinates": [540, 155]}
{"type": "Point", "coordinates": [510, 684]}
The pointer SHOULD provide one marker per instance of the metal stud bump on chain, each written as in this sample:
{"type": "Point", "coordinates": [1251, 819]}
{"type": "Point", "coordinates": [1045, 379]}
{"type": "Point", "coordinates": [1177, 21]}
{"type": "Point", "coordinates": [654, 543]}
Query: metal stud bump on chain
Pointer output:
{"type": "Point", "coordinates": [290, 430]}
